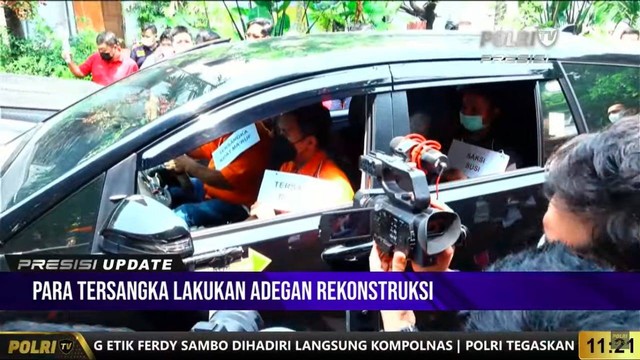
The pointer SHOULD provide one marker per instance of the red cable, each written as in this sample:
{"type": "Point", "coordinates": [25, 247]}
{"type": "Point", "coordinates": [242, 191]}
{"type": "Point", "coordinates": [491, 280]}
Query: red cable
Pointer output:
{"type": "Point", "coordinates": [416, 153]}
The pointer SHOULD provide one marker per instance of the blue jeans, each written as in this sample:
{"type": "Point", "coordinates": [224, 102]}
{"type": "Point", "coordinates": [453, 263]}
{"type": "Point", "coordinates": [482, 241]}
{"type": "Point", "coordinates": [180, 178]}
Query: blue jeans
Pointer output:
{"type": "Point", "coordinates": [196, 211]}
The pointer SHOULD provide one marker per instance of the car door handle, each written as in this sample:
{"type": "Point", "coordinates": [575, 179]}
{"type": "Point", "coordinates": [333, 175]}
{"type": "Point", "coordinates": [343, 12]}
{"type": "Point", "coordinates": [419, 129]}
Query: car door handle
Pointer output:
{"type": "Point", "coordinates": [347, 253]}
{"type": "Point", "coordinates": [216, 259]}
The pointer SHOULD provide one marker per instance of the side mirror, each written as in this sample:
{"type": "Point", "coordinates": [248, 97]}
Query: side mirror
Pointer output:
{"type": "Point", "coordinates": [141, 225]}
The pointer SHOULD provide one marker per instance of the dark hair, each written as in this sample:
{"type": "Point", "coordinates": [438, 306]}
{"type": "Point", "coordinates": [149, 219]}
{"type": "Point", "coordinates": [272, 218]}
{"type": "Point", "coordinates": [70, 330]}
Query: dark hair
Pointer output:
{"type": "Point", "coordinates": [180, 30]}
{"type": "Point", "coordinates": [206, 36]}
{"type": "Point", "coordinates": [267, 26]}
{"type": "Point", "coordinates": [151, 27]}
{"type": "Point", "coordinates": [488, 91]}
{"type": "Point", "coordinates": [108, 38]}
{"type": "Point", "coordinates": [314, 120]}
{"type": "Point", "coordinates": [552, 257]}
{"type": "Point", "coordinates": [630, 32]}
{"type": "Point", "coordinates": [166, 35]}
{"type": "Point", "coordinates": [597, 176]}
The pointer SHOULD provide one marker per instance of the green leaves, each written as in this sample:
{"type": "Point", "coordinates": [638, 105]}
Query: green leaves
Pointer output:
{"type": "Point", "coordinates": [582, 14]}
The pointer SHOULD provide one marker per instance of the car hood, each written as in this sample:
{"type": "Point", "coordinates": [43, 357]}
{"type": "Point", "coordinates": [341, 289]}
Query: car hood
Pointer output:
{"type": "Point", "coordinates": [10, 133]}
{"type": "Point", "coordinates": [10, 130]}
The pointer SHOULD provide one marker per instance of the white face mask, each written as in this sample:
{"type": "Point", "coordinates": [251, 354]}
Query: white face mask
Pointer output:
{"type": "Point", "coordinates": [615, 117]}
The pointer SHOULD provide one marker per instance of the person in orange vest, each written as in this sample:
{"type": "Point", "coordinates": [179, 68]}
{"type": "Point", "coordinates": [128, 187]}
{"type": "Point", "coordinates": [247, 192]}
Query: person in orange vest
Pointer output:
{"type": "Point", "coordinates": [302, 136]}
{"type": "Point", "coordinates": [224, 191]}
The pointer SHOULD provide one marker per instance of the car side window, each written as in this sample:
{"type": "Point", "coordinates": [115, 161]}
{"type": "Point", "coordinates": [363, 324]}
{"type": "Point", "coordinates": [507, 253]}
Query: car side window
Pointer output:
{"type": "Point", "coordinates": [558, 123]}
{"type": "Point", "coordinates": [603, 91]}
{"type": "Point", "coordinates": [484, 129]}
{"type": "Point", "coordinates": [69, 226]}
{"type": "Point", "coordinates": [270, 165]}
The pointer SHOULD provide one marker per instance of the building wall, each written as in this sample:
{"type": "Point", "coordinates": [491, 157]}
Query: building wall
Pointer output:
{"type": "Point", "coordinates": [58, 16]}
{"type": "Point", "coordinates": [89, 15]}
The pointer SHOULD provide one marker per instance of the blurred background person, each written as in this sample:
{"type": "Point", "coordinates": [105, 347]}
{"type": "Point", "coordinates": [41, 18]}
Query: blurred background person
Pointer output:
{"type": "Point", "coordinates": [631, 35]}
{"type": "Point", "coordinates": [164, 50]}
{"type": "Point", "coordinates": [181, 39]}
{"type": "Point", "coordinates": [107, 65]}
{"type": "Point", "coordinates": [147, 45]}
{"type": "Point", "coordinates": [205, 36]}
{"type": "Point", "coordinates": [259, 28]}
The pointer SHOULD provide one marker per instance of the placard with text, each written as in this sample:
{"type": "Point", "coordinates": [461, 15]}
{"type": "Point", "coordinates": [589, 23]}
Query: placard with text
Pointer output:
{"type": "Point", "coordinates": [475, 161]}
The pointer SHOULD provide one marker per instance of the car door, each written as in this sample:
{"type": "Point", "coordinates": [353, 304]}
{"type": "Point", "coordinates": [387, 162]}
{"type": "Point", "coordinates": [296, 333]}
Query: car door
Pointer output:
{"type": "Point", "coordinates": [504, 211]}
{"type": "Point", "coordinates": [289, 242]}
{"type": "Point", "coordinates": [601, 87]}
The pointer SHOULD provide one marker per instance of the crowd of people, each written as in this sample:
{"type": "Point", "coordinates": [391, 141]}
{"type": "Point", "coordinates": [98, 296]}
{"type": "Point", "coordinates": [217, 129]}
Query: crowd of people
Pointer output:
{"type": "Point", "coordinates": [110, 62]}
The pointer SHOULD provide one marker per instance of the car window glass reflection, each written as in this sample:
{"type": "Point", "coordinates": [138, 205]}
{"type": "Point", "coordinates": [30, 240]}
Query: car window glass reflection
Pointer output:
{"type": "Point", "coordinates": [606, 93]}
{"type": "Point", "coordinates": [297, 161]}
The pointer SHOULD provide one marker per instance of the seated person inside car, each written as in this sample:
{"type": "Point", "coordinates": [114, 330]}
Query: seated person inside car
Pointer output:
{"type": "Point", "coordinates": [481, 120]}
{"type": "Point", "coordinates": [301, 139]}
{"type": "Point", "coordinates": [223, 192]}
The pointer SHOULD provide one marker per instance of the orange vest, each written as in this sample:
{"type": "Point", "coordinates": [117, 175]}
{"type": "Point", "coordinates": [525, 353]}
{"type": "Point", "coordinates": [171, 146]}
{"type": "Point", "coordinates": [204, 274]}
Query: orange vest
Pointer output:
{"type": "Point", "coordinates": [244, 173]}
{"type": "Point", "coordinates": [321, 167]}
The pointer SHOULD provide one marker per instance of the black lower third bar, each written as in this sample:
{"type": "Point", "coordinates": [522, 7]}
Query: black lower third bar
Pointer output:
{"type": "Point", "coordinates": [294, 345]}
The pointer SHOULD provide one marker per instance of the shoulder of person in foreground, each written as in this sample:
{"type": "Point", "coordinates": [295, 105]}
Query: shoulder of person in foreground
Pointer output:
{"type": "Point", "coordinates": [551, 257]}
{"type": "Point", "coordinates": [21, 325]}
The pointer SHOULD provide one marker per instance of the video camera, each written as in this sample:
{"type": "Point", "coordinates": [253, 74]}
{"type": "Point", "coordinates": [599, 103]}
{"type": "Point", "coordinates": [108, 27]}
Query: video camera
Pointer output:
{"type": "Point", "coordinates": [399, 216]}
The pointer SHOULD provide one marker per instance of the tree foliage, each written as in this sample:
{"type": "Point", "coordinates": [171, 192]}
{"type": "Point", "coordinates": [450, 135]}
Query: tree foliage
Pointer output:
{"type": "Point", "coordinates": [600, 86]}
{"type": "Point", "coordinates": [426, 12]}
{"type": "Point", "coordinates": [24, 10]}
{"type": "Point", "coordinates": [581, 14]}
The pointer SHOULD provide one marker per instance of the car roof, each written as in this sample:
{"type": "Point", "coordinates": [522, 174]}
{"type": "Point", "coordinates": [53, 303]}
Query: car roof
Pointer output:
{"type": "Point", "coordinates": [241, 67]}
{"type": "Point", "coordinates": [369, 47]}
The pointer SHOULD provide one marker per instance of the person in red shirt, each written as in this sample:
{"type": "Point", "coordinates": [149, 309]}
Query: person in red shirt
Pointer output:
{"type": "Point", "coordinates": [108, 65]}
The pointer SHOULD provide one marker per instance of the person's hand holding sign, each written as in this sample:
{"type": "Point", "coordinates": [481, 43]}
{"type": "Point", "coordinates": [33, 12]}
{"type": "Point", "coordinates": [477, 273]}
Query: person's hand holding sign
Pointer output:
{"type": "Point", "coordinates": [262, 211]}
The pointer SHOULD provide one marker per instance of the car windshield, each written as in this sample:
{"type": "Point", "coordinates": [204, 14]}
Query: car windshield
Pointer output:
{"type": "Point", "coordinates": [86, 129]}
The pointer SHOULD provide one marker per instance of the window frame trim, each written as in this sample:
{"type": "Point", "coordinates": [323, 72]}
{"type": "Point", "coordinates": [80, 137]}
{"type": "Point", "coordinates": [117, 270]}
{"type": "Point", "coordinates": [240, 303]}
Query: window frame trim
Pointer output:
{"type": "Point", "coordinates": [583, 127]}
{"type": "Point", "coordinates": [263, 230]}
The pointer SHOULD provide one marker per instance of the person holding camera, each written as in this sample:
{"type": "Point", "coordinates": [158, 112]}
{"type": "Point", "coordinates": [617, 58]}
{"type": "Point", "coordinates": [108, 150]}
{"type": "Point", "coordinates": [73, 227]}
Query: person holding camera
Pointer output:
{"type": "Point", "coordinates": [594, 217]}
{"type": "Point", "coordinates": [550, 257]}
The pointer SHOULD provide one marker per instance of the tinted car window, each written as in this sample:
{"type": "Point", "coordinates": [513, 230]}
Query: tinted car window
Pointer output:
{"type": "Point", "coordinates": [559, 124]}
{"type": "Point", "coordinates": [68, 226]}
{"type": "Point", "coordinates": [598, 87]}
{"type": "Point", "coordinates": [87, 128]}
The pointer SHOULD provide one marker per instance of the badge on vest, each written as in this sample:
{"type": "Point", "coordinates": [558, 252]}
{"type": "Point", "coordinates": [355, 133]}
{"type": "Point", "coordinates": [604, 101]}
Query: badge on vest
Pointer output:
{"type": "Point", "coordinates": [140, 53]}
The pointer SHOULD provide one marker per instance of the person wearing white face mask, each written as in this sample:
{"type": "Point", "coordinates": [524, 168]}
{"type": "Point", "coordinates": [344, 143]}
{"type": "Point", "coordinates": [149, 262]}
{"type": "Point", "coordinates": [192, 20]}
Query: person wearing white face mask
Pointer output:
{"type": "Point", "coordinates": [616, 112]}
{"type": "Point", "coordinates": [479, 116]}
{"type": "Point", "coordinates": [148, 44]}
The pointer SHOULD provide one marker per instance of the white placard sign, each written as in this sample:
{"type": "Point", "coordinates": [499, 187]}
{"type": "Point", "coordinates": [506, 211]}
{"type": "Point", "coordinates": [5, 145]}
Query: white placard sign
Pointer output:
{"type": "Point", "coordinates": [236, 144]}
{"type": "Point", "coordinates": [294, 192]}
{"type": "Point", "coordinates": [476, 161]}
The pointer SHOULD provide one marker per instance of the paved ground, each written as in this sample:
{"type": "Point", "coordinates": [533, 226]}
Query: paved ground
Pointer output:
{"type": "Point", "coordinates": [45, 93]}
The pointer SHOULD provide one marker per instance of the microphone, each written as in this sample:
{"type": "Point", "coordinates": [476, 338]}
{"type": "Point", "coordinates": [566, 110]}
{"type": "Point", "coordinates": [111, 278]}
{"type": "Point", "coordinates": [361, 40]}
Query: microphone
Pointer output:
{"type": "Point", "coordinates": [424, 153]}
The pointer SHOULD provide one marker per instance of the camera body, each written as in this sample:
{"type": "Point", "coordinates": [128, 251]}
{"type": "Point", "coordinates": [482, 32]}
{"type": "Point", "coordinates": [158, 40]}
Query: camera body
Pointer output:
{"type": "Point", "coordinates": [402, 216]}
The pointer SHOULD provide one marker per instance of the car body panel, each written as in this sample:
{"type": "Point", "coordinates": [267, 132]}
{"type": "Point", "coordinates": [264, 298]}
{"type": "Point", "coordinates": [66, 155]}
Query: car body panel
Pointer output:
{"type": "Point", "coordinates": [263, 78]}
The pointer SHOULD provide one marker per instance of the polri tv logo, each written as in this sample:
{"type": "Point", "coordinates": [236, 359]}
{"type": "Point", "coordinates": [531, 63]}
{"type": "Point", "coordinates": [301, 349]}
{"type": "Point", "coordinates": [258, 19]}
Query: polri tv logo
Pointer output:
{"type": "Point", "coordinates": [518, 39]}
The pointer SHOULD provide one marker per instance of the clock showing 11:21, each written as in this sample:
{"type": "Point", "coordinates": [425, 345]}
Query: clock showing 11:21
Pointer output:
{"type": "Point", "coordinates": [606, 345]}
